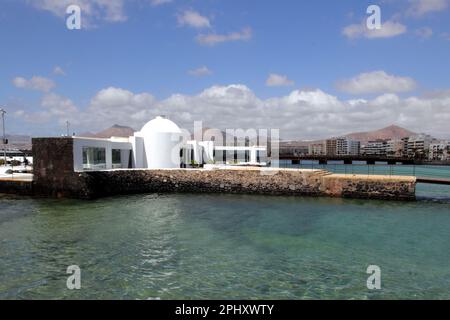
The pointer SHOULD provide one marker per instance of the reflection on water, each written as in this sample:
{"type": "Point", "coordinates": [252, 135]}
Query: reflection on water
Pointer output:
{"type": "Point", "coordinates": [225, 246]}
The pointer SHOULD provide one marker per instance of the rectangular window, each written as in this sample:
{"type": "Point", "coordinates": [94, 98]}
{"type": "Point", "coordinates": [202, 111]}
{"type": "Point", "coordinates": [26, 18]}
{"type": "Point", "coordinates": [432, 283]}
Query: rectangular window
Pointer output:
{"type": "Point", "coordinates": [94, 158]}
{"type": "Point", "coordinates": [116, 158]}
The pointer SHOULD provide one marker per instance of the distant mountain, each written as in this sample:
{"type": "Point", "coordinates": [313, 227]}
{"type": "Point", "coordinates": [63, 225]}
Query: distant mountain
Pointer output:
{"type": "Point", "coordinates": [114, 131]}
{"type": "Point", "coordinates": [391, 132]}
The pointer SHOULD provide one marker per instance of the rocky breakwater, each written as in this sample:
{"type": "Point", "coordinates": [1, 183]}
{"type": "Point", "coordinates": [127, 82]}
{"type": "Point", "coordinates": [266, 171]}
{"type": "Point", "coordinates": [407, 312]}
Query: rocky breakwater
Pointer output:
{"type": "Point", "coordinates": [290, 182]}
{"type": "Point", "coordinates": [242, 181]}
{"type": "Point", "coordinates": [370, 187]}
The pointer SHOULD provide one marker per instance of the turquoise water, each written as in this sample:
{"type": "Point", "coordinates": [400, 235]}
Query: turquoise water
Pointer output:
{"type": "Point", "coordinates": [225, 246]}
{"type": "Point", "coordinates": [378, 169]}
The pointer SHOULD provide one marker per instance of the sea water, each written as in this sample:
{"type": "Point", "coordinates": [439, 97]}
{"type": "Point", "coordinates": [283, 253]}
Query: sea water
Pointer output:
{"type": "Point", "coordinates": [205, 246]}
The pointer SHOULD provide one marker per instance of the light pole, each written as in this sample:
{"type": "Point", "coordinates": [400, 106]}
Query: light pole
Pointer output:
{"type": "Point", "coordinates": [67, 127]}
{"type": "Point", "coordinates": [2, 111]}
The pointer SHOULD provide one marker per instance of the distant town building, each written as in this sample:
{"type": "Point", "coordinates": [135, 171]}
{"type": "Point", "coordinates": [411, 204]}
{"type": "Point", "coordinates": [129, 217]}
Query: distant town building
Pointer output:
{"type": "Point", "coordinates": [342, 147]}
{"type": "Point", "coordinates": [418, 146]}
{"type": "Point", "coordinates": [353, 147]}
{"type": "Point", "coordinates": [330, 147]}
{"type": "Point", "coordinates": [294, 150]}
{"type": "Point", "coordinates": [317, 149]}
{"type": "Point", "coordinates": [375, 148]}
{"type": "Point", "coordinates": [395, 148]}
{"type": "Point", "coordinates": [439, 151]}
{"type": "Point", "coordinates": [405, 141]}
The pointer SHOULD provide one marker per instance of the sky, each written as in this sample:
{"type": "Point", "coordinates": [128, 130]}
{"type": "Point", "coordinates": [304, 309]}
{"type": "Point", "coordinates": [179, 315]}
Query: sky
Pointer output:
{"type": "Point", "coordinates": [312, 69]}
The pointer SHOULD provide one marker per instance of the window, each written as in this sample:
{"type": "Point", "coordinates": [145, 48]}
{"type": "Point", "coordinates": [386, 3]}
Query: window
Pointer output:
{"type": "Point", "coordinates": [94, 158]}
{"type": "Point", "coordinates": [116, 158]}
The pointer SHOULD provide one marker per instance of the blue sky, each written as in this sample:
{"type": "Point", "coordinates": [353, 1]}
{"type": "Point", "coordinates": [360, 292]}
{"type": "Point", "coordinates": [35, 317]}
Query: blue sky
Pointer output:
{"type": "Point", "coordinates": [306, 67]}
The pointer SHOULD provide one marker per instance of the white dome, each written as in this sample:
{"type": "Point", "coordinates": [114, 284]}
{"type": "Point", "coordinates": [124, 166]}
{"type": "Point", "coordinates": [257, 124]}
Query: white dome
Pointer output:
{"type": "Point", "coordinates": [160, 125]}
{"type": "Point", "coordinates": [161, 142]}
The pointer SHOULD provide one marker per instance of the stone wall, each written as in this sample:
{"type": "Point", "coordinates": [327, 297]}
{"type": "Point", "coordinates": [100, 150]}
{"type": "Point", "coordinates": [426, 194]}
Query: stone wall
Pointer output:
{"type": "Point", "coordinates": [53, 172]}
{"type": "Point", "coordinates": [283, 182]}
{"type": "Point", "coordinates": [286, 182]}
{"type": "Point", "coordinates": [370, 187]}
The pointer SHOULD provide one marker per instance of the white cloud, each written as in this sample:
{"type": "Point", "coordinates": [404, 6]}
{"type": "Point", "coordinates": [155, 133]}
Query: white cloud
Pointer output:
{"type": "Point", "coordinates": [420, 8]}
{"type": "Point", "coordinates": [376, 82]}
{"type": "Point", "coordinates": [57, 70]}
{"type": "Point", "coordinates": [277, 80]}
{"type": "Point", "coordinates": [91, 10]}
{"type": "Point", "coordinates": [200, 72]}
{"type": "Point", "coordinates": [305, 114]}
{"type": "Point", "coordinates": [35, 83]}
{"type": "Point", "coordinates": [214, 38]}
{"type": "Point", "coordinates": [159, 2]}
{"type": "Point", "coordinates": [424, 33]}
{"type": "Point", "coordinates": [193, 19]}
{"type": "Point", "coordinates": [57, 105]}
{"type": "Point", "coordinates": [388, 29]}
{"type": "Point", "coordinates": [445, 36]}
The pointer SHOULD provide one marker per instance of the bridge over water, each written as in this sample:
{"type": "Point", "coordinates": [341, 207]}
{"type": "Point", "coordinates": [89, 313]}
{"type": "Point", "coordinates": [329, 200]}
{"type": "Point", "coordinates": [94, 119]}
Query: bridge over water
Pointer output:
{"type": "Point", "coordinates": [324, 159]}
{"type": "Point", "coordinates": [434, 174]}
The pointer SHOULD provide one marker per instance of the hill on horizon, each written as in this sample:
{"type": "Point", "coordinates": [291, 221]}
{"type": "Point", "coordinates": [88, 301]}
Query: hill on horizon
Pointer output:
{"type": "Point", "coordinates": [387, 133]}
{"type": "Point", "coordinates": [114, 131]}
{"type": "Point", "coordinates": [390, 132]}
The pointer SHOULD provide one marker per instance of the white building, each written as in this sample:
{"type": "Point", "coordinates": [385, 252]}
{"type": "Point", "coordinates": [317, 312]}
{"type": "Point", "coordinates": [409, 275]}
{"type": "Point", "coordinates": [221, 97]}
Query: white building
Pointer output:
{"type": "Point", "coordinates": [159, 145]}
{"type": "Point", "coordinates": [317, 149]}
{"type": "Point", "coordinates": [394, 148]}
{"type": "Point", "coordinates": [439, 151]}
{"type": "Point", "coordinates": [375, 148]}
{"type": "Point", "coordinates": [346, 146]}
{"type": "Point", "coordinates": [419, 145]}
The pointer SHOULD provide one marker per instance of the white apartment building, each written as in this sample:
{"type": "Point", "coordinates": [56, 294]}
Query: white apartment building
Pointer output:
{"type": "Point", "coordinates": [375, 148]}
{"type": "Point", "coordinates": [395, 148]}
{"type": "Point", "coordinates": [317, 149]}
{"type": "Point", "coordinates": [418, 146]}
{"type": "Point", "coordinates": [439, 151]}
{"type": "Point", "coordinates": [345, 146]}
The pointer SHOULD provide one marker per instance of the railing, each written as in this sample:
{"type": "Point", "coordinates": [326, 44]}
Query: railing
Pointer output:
{"type": "Point", "coordinates": [426, 171]}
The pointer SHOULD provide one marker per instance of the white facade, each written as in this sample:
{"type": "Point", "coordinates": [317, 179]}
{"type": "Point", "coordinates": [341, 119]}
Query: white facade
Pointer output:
{"type": "Point", "coordinates": [158, 145]}
{"type": "Point", "coordinates": [419, 145]}
{"type": "Point", "coordinates": [395, 148]}
{"type": "Point", "coordinates": [346, 146]}
{"type": "Point", "coordinates": [375, 148]}
{"type": "Point", "coordinates": [162, 142]}
{"type": "Point", "coordinates": [317, 149]}
{"type": "Point", "coordinates": [439, 151]}
{"type": "Point", "coordinates": [98, 154]}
